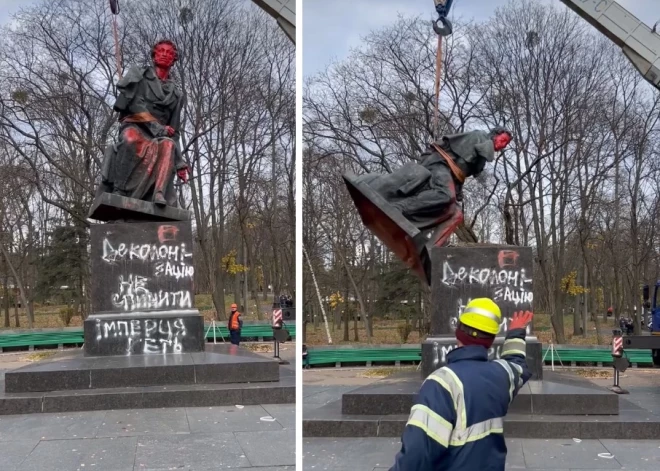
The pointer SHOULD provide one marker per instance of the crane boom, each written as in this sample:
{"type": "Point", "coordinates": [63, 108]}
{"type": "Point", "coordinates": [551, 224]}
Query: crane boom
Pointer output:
{"type": "Point", "coordinates": [284, 11]}
{"type": "Point", "coordinates": [639, 43]}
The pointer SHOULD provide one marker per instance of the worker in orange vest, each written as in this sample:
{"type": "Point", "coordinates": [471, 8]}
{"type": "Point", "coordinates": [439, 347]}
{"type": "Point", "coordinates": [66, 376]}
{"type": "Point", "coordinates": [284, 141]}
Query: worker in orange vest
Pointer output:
{"type": "Point", "coordinates": [234, 325]}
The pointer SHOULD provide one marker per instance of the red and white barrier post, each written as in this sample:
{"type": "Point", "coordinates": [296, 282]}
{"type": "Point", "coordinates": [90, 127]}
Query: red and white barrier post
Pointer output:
{"type": "Point", "coordinates": [619, 363]}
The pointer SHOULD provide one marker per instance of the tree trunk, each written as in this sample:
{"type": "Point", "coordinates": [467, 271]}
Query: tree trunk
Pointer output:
{"type": "Point", "coordinates": [16, 317]}
{"type": "Point", "coordinates": [585, 311]}
{"type": "Point", "coordinates": [21, 290]}
{"type": "Point", "coordinates": [347, 311]}
{"type": "Point", "coordinates": [576, 316]}
{"type": "Point", "coordinates": [7, 305]}
{"type": "Point", "coordinates": [358, 295]}
{"type": "Point", "coordinates": [246, 278]}
{"type": "Point", "coordinates": [318, 295]}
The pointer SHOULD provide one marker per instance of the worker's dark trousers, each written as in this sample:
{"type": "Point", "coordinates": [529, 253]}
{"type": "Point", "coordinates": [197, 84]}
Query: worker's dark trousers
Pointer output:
{"type": "Point", "coordinates": [235, 337]}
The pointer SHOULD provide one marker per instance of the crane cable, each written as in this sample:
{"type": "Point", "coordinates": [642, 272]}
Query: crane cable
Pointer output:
{"type": "Point", "coordinates": [114, 8]}
{"type": "Point", "coordinates": [438, 76]}
{"type": "Point", "coordinates": [442, 7]}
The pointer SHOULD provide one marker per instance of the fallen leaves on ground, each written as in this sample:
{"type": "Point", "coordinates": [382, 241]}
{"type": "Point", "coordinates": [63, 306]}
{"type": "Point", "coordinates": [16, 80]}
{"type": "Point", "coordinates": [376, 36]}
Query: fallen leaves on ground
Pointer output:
{"type": "Point", "coordinates": [38, 356]}
{"type": "Point", "coordinates": [593, 373]}
{"type": "Point", "coordinates": [384, 372]}
{"type": "Point", "coordinates": [259, 347]}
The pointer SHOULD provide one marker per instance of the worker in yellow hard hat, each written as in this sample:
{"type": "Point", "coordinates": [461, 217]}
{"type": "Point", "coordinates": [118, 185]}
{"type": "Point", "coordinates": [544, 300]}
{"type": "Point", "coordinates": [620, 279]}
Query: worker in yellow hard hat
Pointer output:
{"type": "Point", "coordinates": [457, 420]}
{"type": "Point", "coordinates": [479, 323]}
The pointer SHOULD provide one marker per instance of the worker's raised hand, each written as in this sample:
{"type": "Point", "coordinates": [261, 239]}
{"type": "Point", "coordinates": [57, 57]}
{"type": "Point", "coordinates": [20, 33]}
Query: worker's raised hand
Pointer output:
{"type": "Point", "coordinates": [169, 130]}
{"type": "Point", "coordinates": [521, 320]}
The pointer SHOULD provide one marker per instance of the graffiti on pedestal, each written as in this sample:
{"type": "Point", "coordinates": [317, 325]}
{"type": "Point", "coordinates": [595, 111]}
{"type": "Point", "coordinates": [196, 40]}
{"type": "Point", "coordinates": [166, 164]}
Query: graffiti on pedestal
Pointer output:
{"type": "Point", "coordinates": [440, 353]}
{"type": "Point", "coordinates": [502, 275]}
{"type": "Point", "coordinates": [147, 270]}
{"type": "Point", "coordinates": [143, 335]}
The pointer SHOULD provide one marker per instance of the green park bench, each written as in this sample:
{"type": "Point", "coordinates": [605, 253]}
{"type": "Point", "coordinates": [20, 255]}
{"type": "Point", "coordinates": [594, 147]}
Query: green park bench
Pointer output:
{"type": "Point", "coordinates": [74, 336]}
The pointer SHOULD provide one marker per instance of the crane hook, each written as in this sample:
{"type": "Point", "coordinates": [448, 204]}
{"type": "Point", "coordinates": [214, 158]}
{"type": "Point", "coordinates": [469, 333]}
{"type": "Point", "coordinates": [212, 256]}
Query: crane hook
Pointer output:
{"type": "Point", "coordinates": [442, 7]}
{"type": "Point", "coordinates": [114, 7]}
{"type": "Point", "coordinates": [446, 29]}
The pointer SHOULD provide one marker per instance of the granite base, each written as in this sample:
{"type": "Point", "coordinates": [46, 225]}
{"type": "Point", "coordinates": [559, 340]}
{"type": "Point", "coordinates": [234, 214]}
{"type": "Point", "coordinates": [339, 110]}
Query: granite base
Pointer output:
{"type": "Point", "coordinates": [197, 395]}
{"type": "Point", "coordinates": [388, 397]}
{"type": "Point", "coordinates": [220, 364]}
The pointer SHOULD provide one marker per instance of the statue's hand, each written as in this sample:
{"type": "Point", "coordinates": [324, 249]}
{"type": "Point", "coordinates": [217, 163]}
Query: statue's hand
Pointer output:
{"type": "Point", "coordinates": [183, 173]}
{"type": "Point", "coordinates": [169, 130]}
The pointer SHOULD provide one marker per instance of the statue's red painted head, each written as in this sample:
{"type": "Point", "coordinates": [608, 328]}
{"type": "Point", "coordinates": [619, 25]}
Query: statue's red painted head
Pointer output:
{"type": "Point", "coordinates": [501, 138]}
{"type": "Point", "coordinates": [164, 54]}
{"type": "Point", "coordinates": [501, 141]}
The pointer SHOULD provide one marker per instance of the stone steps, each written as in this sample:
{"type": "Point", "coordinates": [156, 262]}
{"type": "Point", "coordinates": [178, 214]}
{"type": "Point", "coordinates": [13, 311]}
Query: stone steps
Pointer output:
{"type": "Point", "coordinates": [536, 397]}
{"type": "Point", "coordinates": [279, 392]}
{"type": "Point", "coordinates": [633, 423]}
{"type": "Point", "coordinates": [563, 406]}
{"type": "Point", "coordinates": [219, 364]}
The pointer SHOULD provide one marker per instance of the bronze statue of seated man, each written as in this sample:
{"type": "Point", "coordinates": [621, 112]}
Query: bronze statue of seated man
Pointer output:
{"type": "Point", "coordinates": [417, 206]}
{"type": "Point", "coordinates": [142, 164]}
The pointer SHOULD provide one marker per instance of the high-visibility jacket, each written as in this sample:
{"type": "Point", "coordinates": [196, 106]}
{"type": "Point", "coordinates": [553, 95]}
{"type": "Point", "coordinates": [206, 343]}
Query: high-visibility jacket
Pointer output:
{"type": "Point", "coordinates": [457, 420]}
{"type": "Point", "coordinates": [235, 322]}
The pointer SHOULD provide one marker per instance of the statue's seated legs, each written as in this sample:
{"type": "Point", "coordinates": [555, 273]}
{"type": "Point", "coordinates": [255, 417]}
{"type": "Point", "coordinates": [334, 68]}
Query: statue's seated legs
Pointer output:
{"type": "Point", "coordinates": [147, 165]}
{"type": "Point", "coordinates": [410, 211]}
{"type": "Point", "coordinates": [422, 197]}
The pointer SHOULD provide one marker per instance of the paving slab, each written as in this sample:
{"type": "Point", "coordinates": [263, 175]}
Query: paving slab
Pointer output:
{"type": "Point", "coordinates": [284, 413]}
{"type": "Point", "coordinates": [276, 448]}
{"type": "Point", "coordinates": [358, 454]}
{"type": "Point", "coordinates": [568, 454]}
{"type": "Point", "coordinates": [126, 423]}
{"type": "Point", "coordinates": [367, 454]}
{"type": "Point", "coordinates": [107, 454]}
{"type": "Point", "coordinates": [515, 457]}
{"type": "Point", "coordinates": [230, 419]}
{"type": "Point", "coordinates": [50, 426]}
{"type": "Point", "coordinates": [145, 440]}
{"type": "Point", "coordinates": [198, 452]}
{"type": "Point", "coordinates": [635, 454]}
{"type": "Point", "coordinates": [13, 453]}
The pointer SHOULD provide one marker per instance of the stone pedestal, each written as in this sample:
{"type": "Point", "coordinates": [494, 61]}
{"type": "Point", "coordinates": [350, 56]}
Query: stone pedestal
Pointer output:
{"type": "Point", "coordinates": [435, 350]}
{"type": "Point", "coordinates": [142, 290]}
{"type": "Point", "coordinates": [460, 274]}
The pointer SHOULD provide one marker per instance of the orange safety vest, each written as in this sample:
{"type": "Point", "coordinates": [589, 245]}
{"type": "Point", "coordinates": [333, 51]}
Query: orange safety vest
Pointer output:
{"type": "Point", "coordinates": [234, 323]}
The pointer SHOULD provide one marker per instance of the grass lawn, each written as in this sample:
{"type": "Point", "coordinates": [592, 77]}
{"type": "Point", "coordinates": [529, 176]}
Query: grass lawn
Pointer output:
{"type": "Point", "coordinates": [48, 316]}
{"type": "Point", "coordinates": [387, 332]}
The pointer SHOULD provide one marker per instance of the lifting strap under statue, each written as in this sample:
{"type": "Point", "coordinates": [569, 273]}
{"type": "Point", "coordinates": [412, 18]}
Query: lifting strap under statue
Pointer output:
{"type": "Point", "coordinates": [455, 169]}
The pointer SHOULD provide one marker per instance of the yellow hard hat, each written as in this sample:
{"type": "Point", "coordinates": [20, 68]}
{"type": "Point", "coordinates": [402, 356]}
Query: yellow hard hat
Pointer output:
{"type": "Point", "coordinates": [482, 314]}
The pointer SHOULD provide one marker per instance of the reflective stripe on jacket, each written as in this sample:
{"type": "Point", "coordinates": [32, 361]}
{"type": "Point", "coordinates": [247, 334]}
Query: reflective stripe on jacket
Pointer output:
{"type": "Point", "coordinates": [457, 420]}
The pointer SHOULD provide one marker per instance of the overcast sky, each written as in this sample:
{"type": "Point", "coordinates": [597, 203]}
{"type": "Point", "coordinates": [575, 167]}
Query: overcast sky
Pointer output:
{"type": "Point", "coordinates": [9, 7]}
{"type": "Point", "coordinates": [332, 27]}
